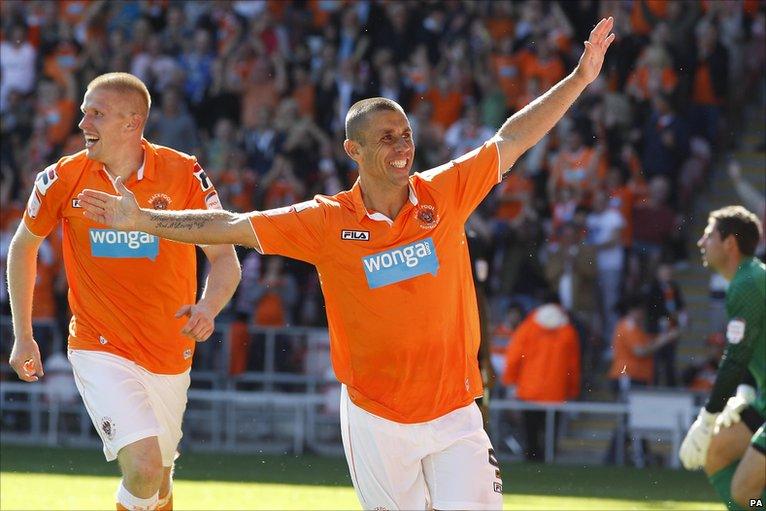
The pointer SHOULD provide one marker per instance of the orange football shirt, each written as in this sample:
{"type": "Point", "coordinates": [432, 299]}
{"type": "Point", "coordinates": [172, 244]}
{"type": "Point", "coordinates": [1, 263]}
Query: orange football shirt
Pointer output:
{"type": "Point", "coordinates": [125, 287]}
{"type": "Point", "coordinates": [399, 294]}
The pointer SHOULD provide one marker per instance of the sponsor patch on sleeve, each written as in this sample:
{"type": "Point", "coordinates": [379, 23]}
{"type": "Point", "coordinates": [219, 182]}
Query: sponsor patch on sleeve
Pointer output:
{"type": "Point", "coordinates": [45, 179]}
{"type": "Point", "coordinates": [213, 201]}
{"type": "Point", "coordinates": [735, 330]}
{"type": "Point", "coordinates": [33, 205]}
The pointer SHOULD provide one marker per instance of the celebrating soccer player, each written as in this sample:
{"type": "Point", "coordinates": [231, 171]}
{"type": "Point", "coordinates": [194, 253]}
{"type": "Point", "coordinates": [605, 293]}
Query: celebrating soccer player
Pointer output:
{"type": "Point", "coordinates": [719, 437]}
{"type": "Point", "coordinates": [393, 261]}
{"type": "Point", "coordinates": [134, 321]}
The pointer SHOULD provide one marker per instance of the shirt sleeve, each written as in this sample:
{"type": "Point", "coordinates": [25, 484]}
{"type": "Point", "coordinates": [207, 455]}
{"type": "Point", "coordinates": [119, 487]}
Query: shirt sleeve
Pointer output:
{"type": "Point", "coordinates": [294, 231]}
{"type": "Point", "coordinates": [202, 193]}
{"type": "Point", "coordinates": [468, 179]}
{"type": "Point", "coordinates": [746, 312]}
{"type": "Point", "coordinates": [45, 203]}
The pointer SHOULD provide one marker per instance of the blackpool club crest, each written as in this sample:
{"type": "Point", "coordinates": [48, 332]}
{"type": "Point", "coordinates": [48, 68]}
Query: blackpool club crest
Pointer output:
{"type": "Point", "coordinates": [427, 215]}
{"type": "Point", "coordinates": [160, 201]}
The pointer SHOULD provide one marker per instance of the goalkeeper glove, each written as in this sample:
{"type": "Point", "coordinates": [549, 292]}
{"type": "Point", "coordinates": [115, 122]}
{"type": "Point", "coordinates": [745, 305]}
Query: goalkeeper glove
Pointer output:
{"type": "Point", "coordinates": [694, 447]}
{"type": "Point", "coordinates": [734, 406]}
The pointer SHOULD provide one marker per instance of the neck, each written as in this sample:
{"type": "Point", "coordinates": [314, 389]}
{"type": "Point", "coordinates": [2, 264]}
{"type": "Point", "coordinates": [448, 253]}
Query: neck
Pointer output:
{"type": "Point", "coordinates": [126, 164]}
{"type": "Point", "coordinates": [732, 266]}
{"type": "Point", "coordinates": [388, 200]}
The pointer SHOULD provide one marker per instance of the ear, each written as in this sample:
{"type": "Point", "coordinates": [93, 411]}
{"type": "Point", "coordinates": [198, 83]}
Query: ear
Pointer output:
{"type": "Point", "coordinates": [352, 148]}
{"type": "Point", "coordinates": [133, 122]}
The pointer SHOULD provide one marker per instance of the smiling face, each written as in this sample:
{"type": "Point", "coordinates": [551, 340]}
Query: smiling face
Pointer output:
{"type": "Point", "coordinates": [107, 121]}
{"type": "Point", "coordinates": [386, 149]}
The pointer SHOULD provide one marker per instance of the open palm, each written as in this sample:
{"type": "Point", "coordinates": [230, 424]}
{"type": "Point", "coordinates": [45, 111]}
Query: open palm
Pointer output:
{"type": "Point", "coordinates": [118, 211]}
{"type": "Point", "coordinates": [595, 48]}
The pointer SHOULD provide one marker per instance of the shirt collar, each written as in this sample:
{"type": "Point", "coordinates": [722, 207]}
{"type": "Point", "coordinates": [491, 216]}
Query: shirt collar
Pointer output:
{"type": "Point", "coordinates": [361, 210]}
{"type": "Point", "coordinates": [147, 168]}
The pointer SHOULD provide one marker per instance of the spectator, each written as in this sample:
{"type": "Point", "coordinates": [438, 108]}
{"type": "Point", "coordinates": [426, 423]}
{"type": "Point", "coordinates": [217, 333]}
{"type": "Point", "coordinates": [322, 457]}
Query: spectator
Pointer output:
{"type": "Point", "coordinates": [17, 65]}
{"type": "Point", "coordinates": [700, 376]}
{"type": "Point", "coordinates": [710, 83]}
{"type": "Point", "coordinates": [634, 347]}
{"type": "Point", "coordinates": [172, 126]}
{"type": "Point", "coordinates": [467, 133]}
{"type": "Point", "coordinates": [665, 311]}
{"type": "Point", "coordinates": [655, 225]}
{"type": "Point", "coordinates": [543, 361]}
{"type": "Point", "coordinates": [604, 226]}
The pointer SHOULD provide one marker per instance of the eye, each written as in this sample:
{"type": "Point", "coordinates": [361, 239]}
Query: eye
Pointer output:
{"type": "Point", "coordinates": [387, 138]}
{"type": "Point", "coordinates": [407, 136]}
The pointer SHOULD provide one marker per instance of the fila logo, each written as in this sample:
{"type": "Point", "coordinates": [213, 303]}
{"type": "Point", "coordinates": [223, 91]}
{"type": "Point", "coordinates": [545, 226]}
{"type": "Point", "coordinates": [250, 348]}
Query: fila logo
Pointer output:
{"type": "Point", "coordinates": [355, 235]}
{"type": "Point", "coordinates": [76, 203]}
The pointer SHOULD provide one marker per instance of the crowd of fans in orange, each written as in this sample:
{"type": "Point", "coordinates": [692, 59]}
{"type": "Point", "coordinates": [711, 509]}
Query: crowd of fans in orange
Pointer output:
{"type": "Point", "coordinates": [258, 91]}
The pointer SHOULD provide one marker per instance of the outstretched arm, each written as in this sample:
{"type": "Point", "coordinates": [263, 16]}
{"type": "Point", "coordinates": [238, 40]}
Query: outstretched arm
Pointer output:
{"type": "Point", "coordinates": [527, 126]}
{"type": "Point", "coordinates": [203, 227]}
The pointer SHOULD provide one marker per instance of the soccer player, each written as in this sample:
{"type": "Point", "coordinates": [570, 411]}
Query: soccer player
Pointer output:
{"type": "Point", "coordinates": [393, 262]}
{"type": "Point", "coordinates": [134, 317]}
{"type": "Point", "coordinates": [720, 435]}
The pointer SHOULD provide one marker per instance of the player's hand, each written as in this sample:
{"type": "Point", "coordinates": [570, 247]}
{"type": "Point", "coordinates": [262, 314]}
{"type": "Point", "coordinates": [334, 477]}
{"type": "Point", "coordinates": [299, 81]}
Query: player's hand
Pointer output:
{"type": "Point", "coordinates": [118, 211]}
{"type": "Point", "coordinates": [595, 48]}
{"type": "Point", "coordinates": [694, 447]}
{"type": "Point", "coordinates": [25, 360]}
{"type": "Point", "coordinates": [201, 321]}
{"type": "Point", "coordinates": [734, 406]}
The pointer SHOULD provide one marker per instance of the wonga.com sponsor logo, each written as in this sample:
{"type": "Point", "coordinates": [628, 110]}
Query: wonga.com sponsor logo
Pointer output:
{"type": "Point", "coordinates": [123, 244]}
{"type": "Point", "coordinates": [401, 263]}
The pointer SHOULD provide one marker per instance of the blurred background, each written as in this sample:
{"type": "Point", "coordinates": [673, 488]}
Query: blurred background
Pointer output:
{"type": "Point", "coordinates": [601, 217]}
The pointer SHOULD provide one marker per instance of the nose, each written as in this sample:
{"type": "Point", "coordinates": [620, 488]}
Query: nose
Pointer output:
{"type": "Point", "coordinates": [402, 144]}
{"type": "Point", "coordinates": [81, 124]}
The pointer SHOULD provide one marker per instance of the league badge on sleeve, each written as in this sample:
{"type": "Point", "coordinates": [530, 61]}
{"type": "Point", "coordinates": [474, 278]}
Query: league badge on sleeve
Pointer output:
{"type": "Point", "coordinates": [735, 330]}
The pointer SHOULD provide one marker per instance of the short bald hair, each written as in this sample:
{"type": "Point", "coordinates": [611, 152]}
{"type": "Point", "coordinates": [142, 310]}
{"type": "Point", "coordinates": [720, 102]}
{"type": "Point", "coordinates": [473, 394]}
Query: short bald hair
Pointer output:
{"type": "Point", "coordinates": [356, 118]}
{"type": "Point", "coordinates": [125, 83]}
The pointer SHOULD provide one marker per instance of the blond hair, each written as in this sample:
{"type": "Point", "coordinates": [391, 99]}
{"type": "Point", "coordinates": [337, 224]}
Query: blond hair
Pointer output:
{"type": "Point", "coordinates": [125, 83]}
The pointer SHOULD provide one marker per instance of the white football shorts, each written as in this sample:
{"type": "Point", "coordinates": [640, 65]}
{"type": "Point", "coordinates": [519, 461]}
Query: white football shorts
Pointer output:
{"type": "Point", "coordinates": [446, 463]}
{"type": "Point", "coordinates": [128, 403]}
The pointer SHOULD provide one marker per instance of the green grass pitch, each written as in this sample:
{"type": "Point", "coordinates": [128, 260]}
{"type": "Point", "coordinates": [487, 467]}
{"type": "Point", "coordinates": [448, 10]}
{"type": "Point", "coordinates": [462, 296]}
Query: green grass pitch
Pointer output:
{"type": "Point", "coordinates": [75, 479]}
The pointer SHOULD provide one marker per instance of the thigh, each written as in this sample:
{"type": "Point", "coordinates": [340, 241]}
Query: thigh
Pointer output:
{"type": "Point", "coordinates": [750, 477]}
{"type": "Point", "coordinates": [115, 397]}
{"type": "Point", "coordinates": [465, 473]}
{"type": "Point", "coordinates": [168, 397]}
{"type": "Point", "coordinates": [727, 446]}
{"type": "Point", "coordinates": [383, 459]}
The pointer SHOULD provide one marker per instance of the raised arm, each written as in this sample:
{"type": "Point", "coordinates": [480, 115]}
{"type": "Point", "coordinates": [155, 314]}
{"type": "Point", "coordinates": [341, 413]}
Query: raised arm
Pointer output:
{"type": "Point", "coordinates": [202, 227]}
{"type": "Point", "coordinates": [530, 124]}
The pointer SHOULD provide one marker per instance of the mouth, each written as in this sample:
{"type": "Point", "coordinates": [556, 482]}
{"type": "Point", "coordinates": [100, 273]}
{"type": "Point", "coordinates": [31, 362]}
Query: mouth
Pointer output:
{"type": "Point", "coordinates": [90, 141]}
{"type": "Point", "coordinates": [399, 164]}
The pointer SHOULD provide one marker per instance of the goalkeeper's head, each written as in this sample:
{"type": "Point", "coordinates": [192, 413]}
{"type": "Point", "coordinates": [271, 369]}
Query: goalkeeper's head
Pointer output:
{"type": "Point", "coordinates": [740, 223]}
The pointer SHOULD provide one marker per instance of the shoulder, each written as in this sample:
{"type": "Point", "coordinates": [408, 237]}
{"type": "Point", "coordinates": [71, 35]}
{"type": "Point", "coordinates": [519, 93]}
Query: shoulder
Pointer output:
{"type": "Point", "coordinates": [66, 169]}
{"type": "Point", "coordinates": [172, 158]}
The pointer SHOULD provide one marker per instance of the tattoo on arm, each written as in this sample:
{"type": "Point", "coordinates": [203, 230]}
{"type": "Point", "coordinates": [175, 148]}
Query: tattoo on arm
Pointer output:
{"type": "Point", "coordinates": [178, 222]}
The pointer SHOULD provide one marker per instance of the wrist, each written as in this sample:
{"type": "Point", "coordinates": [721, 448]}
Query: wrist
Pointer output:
{"type": "Point", "coordinates": [706, 417]}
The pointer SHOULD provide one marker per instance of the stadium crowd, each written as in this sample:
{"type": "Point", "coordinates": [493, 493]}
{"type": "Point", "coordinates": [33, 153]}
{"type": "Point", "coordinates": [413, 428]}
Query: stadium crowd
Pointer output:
{"type": "Point", "coordinates": [594, 214]}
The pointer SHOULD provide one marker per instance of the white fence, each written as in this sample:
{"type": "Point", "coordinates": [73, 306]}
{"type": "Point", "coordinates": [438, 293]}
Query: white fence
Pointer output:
{"type": "Point", "coordinates": [265, 410]}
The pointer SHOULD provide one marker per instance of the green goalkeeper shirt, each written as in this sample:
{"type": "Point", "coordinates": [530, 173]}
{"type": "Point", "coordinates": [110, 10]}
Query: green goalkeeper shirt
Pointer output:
{"type": "Point", "coordinates": [745, 336]}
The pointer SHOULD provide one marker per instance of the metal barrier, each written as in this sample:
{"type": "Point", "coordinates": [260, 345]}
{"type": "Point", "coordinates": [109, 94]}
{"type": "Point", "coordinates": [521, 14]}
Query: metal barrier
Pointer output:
{"type": "Point", "coordinates": [270, 410]}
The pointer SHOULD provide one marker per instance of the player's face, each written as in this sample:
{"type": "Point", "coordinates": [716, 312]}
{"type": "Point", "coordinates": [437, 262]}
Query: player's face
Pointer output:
{"type": "Point", "coordinates": [388, 148]}
{"type": "Point", "coordinates": [103, 122]}
{"type": "Point", "coordinates": [711, 246]}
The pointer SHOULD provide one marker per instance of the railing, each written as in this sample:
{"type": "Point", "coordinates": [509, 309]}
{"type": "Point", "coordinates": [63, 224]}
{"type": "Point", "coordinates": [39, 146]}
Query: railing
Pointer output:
{"type": "Point", "coordinates": [269, 410]}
